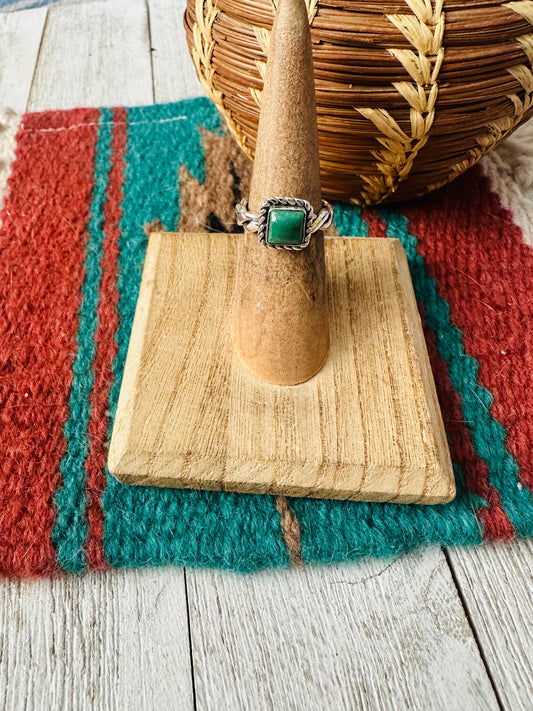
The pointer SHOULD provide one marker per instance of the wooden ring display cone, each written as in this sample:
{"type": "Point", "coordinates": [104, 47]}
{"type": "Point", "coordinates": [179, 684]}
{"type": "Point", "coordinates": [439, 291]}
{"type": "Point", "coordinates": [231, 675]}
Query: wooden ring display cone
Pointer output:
{"type": "Point", "coordinates": [280, 315]}
{"type": "Point", "coordinates": [268, 410]}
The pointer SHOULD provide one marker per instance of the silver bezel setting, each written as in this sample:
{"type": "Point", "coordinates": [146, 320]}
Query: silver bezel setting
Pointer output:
{"type": "Point", "coordinates": [295, 203]}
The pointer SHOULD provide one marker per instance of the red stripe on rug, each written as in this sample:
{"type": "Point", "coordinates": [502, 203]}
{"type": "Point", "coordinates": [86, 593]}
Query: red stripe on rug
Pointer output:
{"type": "Point", "coordinates": [476, 475]}
{"type": "Point", "coordinates": [377, 227]}
{"type": "Point", "coordinates": [484, 270]}
{"type": "Point", "coordinates": [41, 275]}
{"type": "Point", "coordinates": [106, 346]}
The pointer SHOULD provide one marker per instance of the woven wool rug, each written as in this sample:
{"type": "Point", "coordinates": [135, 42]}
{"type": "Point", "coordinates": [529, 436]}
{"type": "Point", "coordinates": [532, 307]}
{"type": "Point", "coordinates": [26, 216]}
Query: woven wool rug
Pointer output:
{"type": "Point", "coordinates": [79, 188]}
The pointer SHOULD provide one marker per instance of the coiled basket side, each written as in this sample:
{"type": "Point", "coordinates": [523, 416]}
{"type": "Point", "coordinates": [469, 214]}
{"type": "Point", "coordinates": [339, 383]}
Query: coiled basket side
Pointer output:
{"type": "Point", "coordinates": [410, 93]}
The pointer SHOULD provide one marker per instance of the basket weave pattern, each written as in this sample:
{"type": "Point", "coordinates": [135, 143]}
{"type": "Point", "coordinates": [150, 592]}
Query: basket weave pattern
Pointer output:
{"type": "Point", "coordinates": [410, 93]}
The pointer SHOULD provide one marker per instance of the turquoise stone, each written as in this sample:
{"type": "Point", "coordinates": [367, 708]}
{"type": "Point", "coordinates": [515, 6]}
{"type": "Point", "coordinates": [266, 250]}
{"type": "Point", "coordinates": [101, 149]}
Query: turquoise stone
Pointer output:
{"type": "Point", "coordinates": [286, 226]}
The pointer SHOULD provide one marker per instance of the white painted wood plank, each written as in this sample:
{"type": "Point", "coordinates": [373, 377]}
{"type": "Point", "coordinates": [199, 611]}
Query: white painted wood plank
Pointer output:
{"type": "Point", "coordinates": [374, 636]}
{"type": "Point", "coordinates": [174, 74]}
{"type": "Point", "coordinates": [496, 582]}
{"type": "Point", "coordinates": [94, 54]}
{"type": "Point", "coordinates": [20, 34]}
{"type": "Point", "coordinates": [105, 641]}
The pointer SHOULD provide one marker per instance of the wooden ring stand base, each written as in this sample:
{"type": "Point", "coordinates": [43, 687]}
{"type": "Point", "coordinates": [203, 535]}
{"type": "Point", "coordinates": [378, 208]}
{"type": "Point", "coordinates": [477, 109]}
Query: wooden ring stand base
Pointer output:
{"type": "Point", "coordinates": [190, 415]}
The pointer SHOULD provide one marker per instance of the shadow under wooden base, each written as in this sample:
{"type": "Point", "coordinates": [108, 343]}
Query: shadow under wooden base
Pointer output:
{"type": "Point", "coordinates": [190, 415]}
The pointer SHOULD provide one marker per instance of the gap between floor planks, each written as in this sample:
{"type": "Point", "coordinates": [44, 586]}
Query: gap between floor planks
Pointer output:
{"type": "Point", "coordinates": [295, 614]}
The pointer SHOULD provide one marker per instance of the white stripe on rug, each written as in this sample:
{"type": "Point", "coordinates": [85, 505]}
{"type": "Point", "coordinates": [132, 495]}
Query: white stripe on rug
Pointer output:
{"type": "Point", "coordinates": [9, 124]}
{"type": "Point", "coordinates": [510, 170]}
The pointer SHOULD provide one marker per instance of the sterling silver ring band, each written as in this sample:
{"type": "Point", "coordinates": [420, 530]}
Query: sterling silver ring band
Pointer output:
{"type": "Point", "coordinates": [284, 222]}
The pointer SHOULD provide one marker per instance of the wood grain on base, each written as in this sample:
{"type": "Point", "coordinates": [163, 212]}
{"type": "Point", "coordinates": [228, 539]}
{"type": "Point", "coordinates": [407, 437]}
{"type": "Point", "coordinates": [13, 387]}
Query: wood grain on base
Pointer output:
{"type": "Point", "coordinates": [190, 415]}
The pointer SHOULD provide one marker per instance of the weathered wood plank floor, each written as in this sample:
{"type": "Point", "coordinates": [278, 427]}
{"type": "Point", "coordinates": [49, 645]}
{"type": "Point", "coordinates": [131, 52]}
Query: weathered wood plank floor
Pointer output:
{"type": "Point", "coordinates": [432, 630]}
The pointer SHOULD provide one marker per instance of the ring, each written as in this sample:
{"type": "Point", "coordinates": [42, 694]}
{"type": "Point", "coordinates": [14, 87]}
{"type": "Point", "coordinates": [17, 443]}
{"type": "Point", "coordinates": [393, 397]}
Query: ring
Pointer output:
{"type": "Point", "coordinates": [284, 223]}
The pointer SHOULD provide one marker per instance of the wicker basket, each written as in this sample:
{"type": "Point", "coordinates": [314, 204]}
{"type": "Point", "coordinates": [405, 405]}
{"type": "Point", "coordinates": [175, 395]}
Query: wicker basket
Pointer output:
{"type": "Point", "coordinates": [410, 93]}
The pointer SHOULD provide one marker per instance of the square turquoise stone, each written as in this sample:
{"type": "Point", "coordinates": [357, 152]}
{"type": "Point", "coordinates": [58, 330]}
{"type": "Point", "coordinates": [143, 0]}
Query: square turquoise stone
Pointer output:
{"type": "Point", "coordinates": [286, 226]}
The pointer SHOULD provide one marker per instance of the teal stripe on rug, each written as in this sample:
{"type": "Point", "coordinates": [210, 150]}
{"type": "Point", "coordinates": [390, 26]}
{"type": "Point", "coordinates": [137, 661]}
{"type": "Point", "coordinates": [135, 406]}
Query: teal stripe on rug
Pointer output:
{"type": "Point", "coordinates": [71, 528]}
{"type": "Point", "coordinates": [147, 525]}
{"type": "Point", "coordinates": [487, 433]}
{"type": "Point", "coordinates": [349, 220]}
{"type": "Point", "coordinates": [334, 531]}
